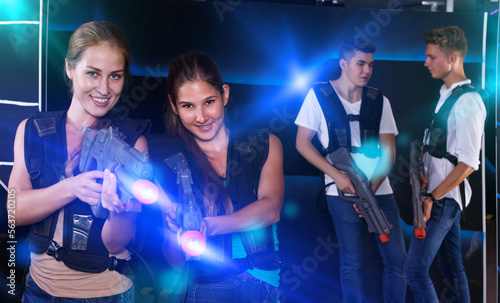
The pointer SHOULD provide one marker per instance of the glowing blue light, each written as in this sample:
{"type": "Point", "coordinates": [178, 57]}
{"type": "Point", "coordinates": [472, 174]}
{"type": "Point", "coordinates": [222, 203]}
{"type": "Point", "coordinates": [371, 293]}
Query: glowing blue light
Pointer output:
{"type": "Point", "coordinates": [302, 82]}
{"type": "Point", "coordinates": [291, 209]}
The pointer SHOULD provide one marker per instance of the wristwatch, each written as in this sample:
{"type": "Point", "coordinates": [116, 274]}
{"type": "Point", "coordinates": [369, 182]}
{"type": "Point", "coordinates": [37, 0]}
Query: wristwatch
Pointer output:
{"type": "Point", "coordinates": [432, 198]}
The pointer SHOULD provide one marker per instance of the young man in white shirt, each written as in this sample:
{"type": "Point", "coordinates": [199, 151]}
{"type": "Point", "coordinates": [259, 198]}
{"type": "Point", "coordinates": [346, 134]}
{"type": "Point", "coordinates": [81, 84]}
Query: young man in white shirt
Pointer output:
{"type": "Point", "coordinates": [345, 113]}
{"type": "Point", "coordinates": [452, 142]}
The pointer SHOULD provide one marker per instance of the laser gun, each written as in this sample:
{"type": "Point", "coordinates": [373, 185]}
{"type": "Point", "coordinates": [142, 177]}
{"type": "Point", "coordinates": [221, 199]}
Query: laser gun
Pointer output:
{"type": "Point", "coordinates": [103, 149]}
{"type": "Point", "coordinates": [188, 213]}
{"type": "Point", "coordinates": [365, 201]}
{"type": "Point", "coordinates": [417, 196]}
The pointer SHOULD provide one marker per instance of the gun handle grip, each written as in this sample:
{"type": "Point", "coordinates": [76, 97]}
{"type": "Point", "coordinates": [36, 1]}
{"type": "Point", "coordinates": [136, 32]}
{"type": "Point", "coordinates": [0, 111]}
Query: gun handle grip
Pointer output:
{"type": "Point", "coordinates": [419, 233]}
{"type": "Point", "coordinates": [384, 238]}
{"type": "Point", "coordinates": [342, 196]}
{"type": "Point", "coordinates": [99, 211]}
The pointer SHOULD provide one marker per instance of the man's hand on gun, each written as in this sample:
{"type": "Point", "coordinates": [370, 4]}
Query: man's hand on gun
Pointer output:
{"type": "Point", "coordinates": [427, 206]}
{"type": "Point", "coordinates": [365, 201]}
{"type": "Point", "coordinates": [344, 184]}
{"type": "Point", "coordinates": [418, 182]}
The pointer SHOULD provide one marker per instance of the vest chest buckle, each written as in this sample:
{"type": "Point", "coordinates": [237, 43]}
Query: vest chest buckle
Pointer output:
{"type": "Point", "coordinates": [54, 250]}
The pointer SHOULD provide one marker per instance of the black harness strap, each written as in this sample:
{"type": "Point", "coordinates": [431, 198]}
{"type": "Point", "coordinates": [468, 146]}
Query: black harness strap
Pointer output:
{"type": "Point", "coordinates": [38, 137]}
{"type": "Point", "coordinates": [337, 119]}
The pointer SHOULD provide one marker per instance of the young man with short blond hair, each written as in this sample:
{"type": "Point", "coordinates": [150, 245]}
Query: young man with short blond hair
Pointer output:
{"type": "Point", "coordinates": [452, 141]}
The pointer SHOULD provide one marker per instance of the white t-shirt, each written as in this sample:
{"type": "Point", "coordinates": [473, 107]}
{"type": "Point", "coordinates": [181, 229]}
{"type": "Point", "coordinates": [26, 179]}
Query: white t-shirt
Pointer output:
{"type": "Point", "coordinates": [311, 116]}
{"type": "Point", "coordinates": [465, 129]}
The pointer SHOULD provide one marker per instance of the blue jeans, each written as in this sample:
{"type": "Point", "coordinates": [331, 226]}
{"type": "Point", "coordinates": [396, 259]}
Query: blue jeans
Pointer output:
{"type": "Point", "coordinates": [442, 237]}
{"type": "Point", "coordinates": [34, 294]}
{"type": "Point", "coordinates": [350, 230]}
{"type": "Point", "coordinates": [236, 288]}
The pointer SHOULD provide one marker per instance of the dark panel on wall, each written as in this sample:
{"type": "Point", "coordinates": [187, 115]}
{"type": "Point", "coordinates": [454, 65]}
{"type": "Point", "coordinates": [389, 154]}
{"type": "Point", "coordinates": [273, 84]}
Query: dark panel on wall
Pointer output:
{"type": "Point", "coordinates": [262, 43]}
{"type": "Point", "coordinates": [19, 53]}
{"type": "Point", "coordinates": [8, 127]}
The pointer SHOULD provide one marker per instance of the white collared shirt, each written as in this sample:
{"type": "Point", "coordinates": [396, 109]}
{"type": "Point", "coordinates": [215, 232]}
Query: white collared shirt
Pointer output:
{"type": "Point", "coordinates": [465, 129]}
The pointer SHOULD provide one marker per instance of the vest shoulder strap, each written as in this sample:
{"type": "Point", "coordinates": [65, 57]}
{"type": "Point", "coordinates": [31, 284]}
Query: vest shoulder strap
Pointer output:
{"type": "Point", "coordinates": [247, 153]}
{"type": "Point", "coordinates": [41, 131]}
{"type": "Point", "coordinates": [437, 128]}
{"type": "Point", "coordinates": [253, 146]}
{"type": "Point", "coordinates": [337, 120]}
{"type": "Point", "coordinates": [37, 133]}
{"type": "Point", "coordinates": [130, 129]}
{"type": "Point", "coordinates": [369, 121]}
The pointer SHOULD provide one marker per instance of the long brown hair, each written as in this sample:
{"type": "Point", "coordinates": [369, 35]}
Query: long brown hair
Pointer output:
{"type": "Point", "coordinates": [88, 35]}
{"type": "Point", "coordinates": [189, 67]}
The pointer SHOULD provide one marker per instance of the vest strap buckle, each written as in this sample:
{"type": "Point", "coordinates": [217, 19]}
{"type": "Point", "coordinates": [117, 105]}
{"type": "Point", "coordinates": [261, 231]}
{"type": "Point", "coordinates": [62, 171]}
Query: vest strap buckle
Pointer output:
{"type": "Point", "coordinates": [353, 117]}
{"type": "Point", "coordinates": [54, 250]}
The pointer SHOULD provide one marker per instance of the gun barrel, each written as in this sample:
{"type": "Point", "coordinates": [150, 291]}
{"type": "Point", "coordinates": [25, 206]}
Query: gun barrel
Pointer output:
{"type": "Point", "coordinates": [417, 199]}
{"type": "Point", "coordinates": [366, 200]}
{"type": "Point", "coordinates": [193, 243]}
{"type": "Point", "coordinates": [188, 213]}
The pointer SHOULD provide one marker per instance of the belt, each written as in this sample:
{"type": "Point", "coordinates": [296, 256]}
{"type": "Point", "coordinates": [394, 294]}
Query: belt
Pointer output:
{"type": "Point", "coordinates": [248, 276]}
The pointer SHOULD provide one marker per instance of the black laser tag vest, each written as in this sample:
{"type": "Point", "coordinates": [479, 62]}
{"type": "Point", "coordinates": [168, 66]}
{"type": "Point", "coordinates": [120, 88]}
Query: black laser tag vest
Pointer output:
{"type": "Point", "coordinates": [437, 125]}
{"type": "Point", "coordinates": [339, 130]}
{"type": "Point", "coordinates": [246, 156]}
{"type": "Point", "coordinates": [45, 157]}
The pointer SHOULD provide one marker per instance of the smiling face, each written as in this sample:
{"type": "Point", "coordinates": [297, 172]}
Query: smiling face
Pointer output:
{"type": "Point", "coordinates": [200, 108]}
{"type": "Point", "coordinates": [98, 79]}
{"type": "Point", "coordinates": [438, 63]}
{"type": "Point", "coordinates": [359, 68]}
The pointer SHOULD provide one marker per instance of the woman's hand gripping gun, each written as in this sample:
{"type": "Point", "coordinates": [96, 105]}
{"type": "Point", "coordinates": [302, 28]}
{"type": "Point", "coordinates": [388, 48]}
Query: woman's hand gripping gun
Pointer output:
{"type": "Point", "coordinates": [103, 149]}
{"type": "Point", "coordinates": [188, 213]}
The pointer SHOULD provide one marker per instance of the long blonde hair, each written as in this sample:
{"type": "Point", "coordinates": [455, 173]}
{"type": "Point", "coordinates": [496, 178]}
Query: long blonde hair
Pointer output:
{"type": "Point", "coordinates": [88, 35]}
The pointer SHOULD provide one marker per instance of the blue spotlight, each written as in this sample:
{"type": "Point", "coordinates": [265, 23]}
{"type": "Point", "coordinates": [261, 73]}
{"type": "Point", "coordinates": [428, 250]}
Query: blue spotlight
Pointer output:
{"type": "Point", "coordinates": [302, 82]}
